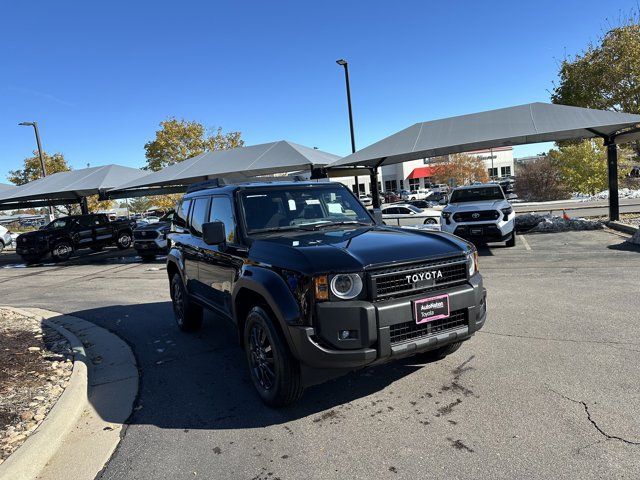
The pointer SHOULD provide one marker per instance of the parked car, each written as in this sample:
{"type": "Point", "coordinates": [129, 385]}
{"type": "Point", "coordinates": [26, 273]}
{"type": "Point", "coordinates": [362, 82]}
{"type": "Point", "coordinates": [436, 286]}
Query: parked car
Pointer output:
{"type": "Point", "coordinates": [64, 235]}
{"type": "Point", "coordinates": [440, 188]}
{"type": "Point", "coordinates": [390, 197]}
{"type": "Point", "coordinates": [314, 286]}
{"type": "Point", "coordinates": [407, 214]}
{"type": "Point", "coordinates": [422, 203]}
{"type": "Point", "coordinates": [151, 239]}
{"type": "Point", "coordinates": [480, 213]}
{"type": "Point", "coordinates": [366, 200]}
{"type": "Point", "coordinates": [5, 238]}
{"type": "Point", "coordinates": [420, 194]}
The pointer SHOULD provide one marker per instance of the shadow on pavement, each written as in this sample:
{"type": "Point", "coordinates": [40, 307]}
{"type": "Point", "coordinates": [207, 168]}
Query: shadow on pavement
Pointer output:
{"type": "Point", "coordinates": [625, 247]}
{"type": "Point", "coordinates": [201, 381]}
{"type": "Point", "coordinates": [108, 256]}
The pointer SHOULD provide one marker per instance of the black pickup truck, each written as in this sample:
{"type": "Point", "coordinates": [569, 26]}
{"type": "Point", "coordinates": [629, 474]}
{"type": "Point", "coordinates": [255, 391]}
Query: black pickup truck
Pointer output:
{"type": "Point", "coordinates": [66, 234]}
{"type": "Point", "coordinates": [315, 285]}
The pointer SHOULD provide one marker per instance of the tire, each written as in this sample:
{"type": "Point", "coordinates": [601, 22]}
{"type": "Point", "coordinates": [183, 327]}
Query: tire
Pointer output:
{"type": "Point", "coordinates": [188, 315]}
{"type": "Point", "coordinates": [430, 221]}
{"type": "Point", "coordinates": [124, 240]}
{"type": "Point", "coordinates": [148, 258]}
{"type": "Point", "coordinates": [512, 241]}
{"type": "Point", "coordinates": [1, 246]}
{"type": "Point", "coordinates": [275, 373]}
{"type": "Point", "coordinates": [97, 248]}
{"type": "Point", "coordinates": [440, 353]}
{"type": "Point", "coordinates": [62, 250]}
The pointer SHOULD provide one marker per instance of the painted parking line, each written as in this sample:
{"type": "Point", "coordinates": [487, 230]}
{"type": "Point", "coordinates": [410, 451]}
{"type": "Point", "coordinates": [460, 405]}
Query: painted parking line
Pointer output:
{"type": "Point", "coordinates": [524, 242]}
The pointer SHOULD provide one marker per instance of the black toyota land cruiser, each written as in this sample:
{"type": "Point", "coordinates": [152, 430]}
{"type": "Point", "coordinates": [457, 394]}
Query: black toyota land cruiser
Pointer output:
{"type": "Point", "coordinates": [315, 286]}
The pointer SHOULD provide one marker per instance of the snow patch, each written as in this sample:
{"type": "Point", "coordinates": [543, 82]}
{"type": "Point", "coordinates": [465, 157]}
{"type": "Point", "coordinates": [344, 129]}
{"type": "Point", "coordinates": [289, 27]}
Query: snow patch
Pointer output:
{"type": "Point", "coordinates": [532, 222]}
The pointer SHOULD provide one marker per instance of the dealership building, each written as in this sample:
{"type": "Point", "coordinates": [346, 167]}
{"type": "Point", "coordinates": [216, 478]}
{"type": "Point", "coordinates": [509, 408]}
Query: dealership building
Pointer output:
{"type": "Point", "coordinates": [417, 173]}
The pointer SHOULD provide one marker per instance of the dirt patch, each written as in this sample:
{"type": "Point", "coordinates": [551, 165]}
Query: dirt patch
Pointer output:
{"type": "Point", "coordinates": [35, 365]}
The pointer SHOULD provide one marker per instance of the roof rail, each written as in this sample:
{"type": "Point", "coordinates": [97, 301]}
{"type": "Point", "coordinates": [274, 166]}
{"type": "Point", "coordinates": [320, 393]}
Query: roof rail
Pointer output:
{"type": "Point", "coordinates": [213, 183]}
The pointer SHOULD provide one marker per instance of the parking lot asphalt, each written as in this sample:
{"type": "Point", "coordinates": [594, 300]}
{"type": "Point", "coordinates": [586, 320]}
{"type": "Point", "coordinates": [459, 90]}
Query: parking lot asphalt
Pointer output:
{"type": "Point", "coordinates": [550, 388]}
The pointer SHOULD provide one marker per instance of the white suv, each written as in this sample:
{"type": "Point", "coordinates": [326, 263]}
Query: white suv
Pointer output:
{"type": "Point", "coordinates": [480, 213]}
{"type": "Point", "coordinates": [5, 238]}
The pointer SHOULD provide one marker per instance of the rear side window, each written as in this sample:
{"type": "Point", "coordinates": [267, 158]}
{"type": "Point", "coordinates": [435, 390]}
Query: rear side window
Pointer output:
{"type": "Point", "coordinates": [182, 211]}
{"type": "Point", "coordinates": [199, 215]}
{"type": "Point", "coordinates": [222, 211]}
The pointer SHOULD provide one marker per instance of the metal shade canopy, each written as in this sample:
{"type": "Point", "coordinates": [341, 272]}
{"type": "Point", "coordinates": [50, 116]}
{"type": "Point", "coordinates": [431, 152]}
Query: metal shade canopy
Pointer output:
{"type": "Point", "coordinates": [69, 187]}
{"type": "Point", "coordinates": [240, 162]}
{"type": "Point", "coordinates": [4, 187]}
{"type": "Point", "coordinates": [531, 123]}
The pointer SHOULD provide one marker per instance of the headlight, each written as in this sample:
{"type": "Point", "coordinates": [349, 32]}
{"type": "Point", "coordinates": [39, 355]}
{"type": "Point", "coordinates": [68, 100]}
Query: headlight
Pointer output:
{"type": "Point", "coordinates": [507, 211]}
{"type": "Point", "coordinates": [346, 285]}
{"type": "Point", "coordinates": [472, 262]}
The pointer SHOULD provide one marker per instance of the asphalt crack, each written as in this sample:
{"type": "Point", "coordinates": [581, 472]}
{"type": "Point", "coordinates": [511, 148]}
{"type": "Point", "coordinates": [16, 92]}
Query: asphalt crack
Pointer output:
{"type": "Point", "coordinates": [570, 340]}
{"type": "Point", "coordinates": [593, 422]}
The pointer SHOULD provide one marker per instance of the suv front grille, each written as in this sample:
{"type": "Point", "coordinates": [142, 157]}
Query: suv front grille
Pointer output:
{"type": "Point", "coordinates": [479, 216]}
{"type": "Point", "coordinates": [145, 234]}
{"type": "Point", "coordinates": [404, 332]}
{"type": "Point", "coordinates": [393, 282]}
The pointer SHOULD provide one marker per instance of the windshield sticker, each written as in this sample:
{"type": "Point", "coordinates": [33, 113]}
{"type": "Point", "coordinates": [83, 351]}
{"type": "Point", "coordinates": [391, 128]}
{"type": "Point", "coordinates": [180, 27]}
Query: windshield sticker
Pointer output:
{"type": "Point", "coordinates": [292, 205]}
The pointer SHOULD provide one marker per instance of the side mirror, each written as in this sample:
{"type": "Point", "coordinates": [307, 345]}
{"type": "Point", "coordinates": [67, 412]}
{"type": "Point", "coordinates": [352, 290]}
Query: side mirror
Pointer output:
{"type": "Point", "coordinates": [443, 201]}
{"type": "Point", "coordinates": [213, 233]}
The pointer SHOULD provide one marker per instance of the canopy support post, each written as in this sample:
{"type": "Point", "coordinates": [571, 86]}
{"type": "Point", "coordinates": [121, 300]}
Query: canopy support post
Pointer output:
{"type": "Point", "coordinates": [612, 169]}
{"type": "Point", "coordinates": [84, 206]}
{"type": "Point", "coordinates": [375, 190]}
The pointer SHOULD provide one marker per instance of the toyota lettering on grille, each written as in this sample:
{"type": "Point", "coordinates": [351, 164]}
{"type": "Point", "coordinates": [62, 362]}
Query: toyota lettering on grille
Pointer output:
{"type": "Point", "coordinates": [424, 276]}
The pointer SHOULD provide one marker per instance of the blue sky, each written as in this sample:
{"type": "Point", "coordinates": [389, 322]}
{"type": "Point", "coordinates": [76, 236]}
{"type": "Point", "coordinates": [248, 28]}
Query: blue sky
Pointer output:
{"type": "Point", "coordinates": [100, 76]}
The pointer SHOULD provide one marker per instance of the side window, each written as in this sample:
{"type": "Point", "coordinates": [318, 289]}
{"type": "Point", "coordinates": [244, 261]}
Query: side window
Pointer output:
{"type": "Point", "coordinates": [182, 210]}
{"type": "Point", "coordinates": [86, 220]}
{"type": "Point", "coordinates": [199, 215]}
{"type": "Point", "coordinates": [222, 211]}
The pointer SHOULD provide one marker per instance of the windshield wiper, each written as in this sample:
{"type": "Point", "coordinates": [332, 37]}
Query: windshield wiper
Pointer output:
{"type": "Point", "coordinates": [316, 226]}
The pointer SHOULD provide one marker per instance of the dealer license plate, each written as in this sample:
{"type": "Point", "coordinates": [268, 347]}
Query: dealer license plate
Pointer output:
{"type": "Point", "coordinates": [430, 309]}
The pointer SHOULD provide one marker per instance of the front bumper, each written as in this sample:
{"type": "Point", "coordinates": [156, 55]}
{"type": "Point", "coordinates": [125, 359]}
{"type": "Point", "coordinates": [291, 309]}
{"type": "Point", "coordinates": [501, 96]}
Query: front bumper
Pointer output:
{"type": "Point", "coordinates": [32, 250]}
{"type": "Point", "coordinates": [375, 324]}
{"type": "Point", "coordinates": [158, 245]}
{"type": "Point", "coordinates": [486, 231]}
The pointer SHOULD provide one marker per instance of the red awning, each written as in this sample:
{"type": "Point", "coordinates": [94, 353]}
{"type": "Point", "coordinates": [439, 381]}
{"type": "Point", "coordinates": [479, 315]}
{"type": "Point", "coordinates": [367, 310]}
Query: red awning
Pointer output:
{"type": "Point", "coordinates": [421, 172]}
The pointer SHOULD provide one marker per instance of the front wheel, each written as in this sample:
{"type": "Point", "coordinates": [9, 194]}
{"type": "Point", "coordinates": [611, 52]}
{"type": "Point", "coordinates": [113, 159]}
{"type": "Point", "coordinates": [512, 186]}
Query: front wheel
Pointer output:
{"type": "Point", "coordinates": [430, 221]}
{"type": "Point", "coordinates": [275, 373]}
{"type": "Point", "coordinates": [188, 315]}
{"type": "Point", "coordinates": [123, 241]}
{"type": "Point", "coordinates": [62, 251]}
{"type": "Point", "coordinates": [512, 241]}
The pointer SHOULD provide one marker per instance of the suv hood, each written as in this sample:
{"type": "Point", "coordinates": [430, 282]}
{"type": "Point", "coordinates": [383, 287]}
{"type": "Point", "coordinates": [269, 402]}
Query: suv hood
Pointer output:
{"type": "Point", "coordinates": [474, 206]}
{"type": "Point", "coordinates": [352, 249]}
{"type": "Point", "coordinates": [154, 226]}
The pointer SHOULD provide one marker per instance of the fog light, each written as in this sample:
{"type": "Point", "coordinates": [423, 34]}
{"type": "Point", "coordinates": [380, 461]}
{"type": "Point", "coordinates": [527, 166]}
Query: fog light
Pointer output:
{"type": "Point", "coordinates": [347, 334]}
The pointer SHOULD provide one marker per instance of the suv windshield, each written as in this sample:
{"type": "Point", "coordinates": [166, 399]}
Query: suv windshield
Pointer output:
{"type": "Point", "coordinates": [290, 208]}
{"type": "Point", "coordinates": [476, 194]}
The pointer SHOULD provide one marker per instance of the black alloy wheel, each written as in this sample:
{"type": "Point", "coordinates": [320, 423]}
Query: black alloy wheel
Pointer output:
{"type": "Point", "coordinates": [62, 251]}
{"type": "Point", "coordinates": [261, 357]}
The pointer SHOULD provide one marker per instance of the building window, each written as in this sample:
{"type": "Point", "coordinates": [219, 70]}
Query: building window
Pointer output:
{"type": "Point", "coordinates": [493, 172]}
{"type": "Point", "coordinates": [505, 171]}
{"type": "Point", "coordinates": [414, 183]}
{"type": "Point", "coordinates": [401, 184]}
{"type": "Point", "coordinates": [362, 187]}
{"type": "Point", "coordinates": [390, 185]}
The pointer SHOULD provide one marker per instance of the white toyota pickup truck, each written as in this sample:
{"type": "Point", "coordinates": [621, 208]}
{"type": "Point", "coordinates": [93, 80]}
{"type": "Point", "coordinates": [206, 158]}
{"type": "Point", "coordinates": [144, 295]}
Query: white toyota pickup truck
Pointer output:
{"type": "Point", "coordinates": [480, 213]}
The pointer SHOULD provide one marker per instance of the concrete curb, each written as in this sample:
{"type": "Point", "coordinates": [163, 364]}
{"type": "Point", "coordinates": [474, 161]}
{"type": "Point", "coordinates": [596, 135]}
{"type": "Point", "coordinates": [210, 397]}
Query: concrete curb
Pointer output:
{"type": "Point", "coordinates": [32, 456]}
{"type": "Point", "coordinates": [622, 227]}
{"type": "Point", "coordinates": [84, 427]}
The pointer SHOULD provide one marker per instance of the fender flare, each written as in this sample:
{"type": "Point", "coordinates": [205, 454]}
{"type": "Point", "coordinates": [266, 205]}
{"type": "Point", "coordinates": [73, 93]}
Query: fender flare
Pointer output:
{"type": "Point", "coordinates": [175, 256]}
{"type": "Point", "coordinates": [272, 287]}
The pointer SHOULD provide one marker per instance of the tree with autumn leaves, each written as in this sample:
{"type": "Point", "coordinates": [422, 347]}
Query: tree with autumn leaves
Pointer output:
{"type": "Point", "coordinates": [462, 168]}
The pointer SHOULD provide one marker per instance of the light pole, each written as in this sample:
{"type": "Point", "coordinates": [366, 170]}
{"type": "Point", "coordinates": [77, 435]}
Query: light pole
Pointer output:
{"type": "Point", "coordinates": [353, 138]}
{"type": "Point", "coordinates": [44, 170]}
